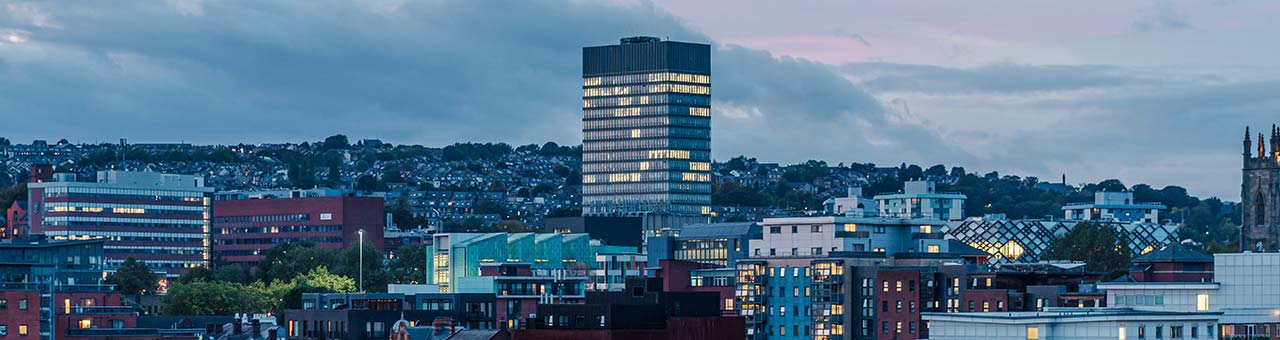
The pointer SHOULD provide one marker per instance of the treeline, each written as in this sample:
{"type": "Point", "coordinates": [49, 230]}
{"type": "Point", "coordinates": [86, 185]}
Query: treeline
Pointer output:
{"type": "Point", "coordinates": [1209, 222]}
{"type": "Point", "coordinates": [285, 273]}
{"type": "Point", "coordinates": [492, 151]}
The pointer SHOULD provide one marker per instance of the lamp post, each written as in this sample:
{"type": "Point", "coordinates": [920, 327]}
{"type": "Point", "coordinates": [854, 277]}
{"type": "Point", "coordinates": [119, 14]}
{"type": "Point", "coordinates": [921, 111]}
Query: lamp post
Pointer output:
{"type": "Point", "coordinates": [361, 250]}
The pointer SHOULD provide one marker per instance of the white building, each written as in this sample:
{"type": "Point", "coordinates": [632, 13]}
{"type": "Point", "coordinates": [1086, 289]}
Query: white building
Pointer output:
{"type": "Point", "coordinates": [1073, 324]}
{"type": "Point", "coordinates": [819, 236]}
{"type": "Point", "coordinates": [1244, 292]}
{"type": "Point", "coordinates": [920, 199]}
{"type": "Point", "coordinates": [852, 204]}
{"type": "Point", "coordinates": [1113, 207]}
{"type": "Point", "coordinates": [614, 268]}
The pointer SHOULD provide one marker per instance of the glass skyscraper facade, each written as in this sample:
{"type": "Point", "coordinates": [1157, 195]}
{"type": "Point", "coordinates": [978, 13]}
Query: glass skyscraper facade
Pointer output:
{"type": "Point", "coordinates": [646, 148]}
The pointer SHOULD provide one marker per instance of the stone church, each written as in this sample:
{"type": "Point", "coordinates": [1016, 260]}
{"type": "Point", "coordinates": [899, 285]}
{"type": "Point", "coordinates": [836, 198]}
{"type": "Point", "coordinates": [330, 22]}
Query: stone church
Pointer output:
{"type": "Point", "coordinates": [1260, 194]}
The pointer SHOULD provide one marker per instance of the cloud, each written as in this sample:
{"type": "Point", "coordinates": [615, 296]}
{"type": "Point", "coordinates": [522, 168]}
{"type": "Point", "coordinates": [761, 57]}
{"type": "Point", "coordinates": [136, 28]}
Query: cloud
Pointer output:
{"type": "Point", "coordinates": [408, 72]}
{"type": "Point", "coordinates": [1142, 124]}
{"type": "Point", "coordinates": [1162, 16]}
{"type": "Point", "coordinates": [853, 36]}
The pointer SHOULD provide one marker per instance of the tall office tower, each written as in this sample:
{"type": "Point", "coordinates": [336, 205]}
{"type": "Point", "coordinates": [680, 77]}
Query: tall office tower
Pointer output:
{"type": "Point", "coordinates": [160, 219]}
{"type": "Point", "coordinates": [646, 146]}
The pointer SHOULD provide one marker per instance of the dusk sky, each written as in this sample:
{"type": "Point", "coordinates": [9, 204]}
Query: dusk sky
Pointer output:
{"type": "Point", "coordinates": [1156, 92]}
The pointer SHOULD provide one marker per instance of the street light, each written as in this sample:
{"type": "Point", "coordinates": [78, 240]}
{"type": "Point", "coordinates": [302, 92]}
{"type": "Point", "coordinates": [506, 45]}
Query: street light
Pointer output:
{"type": "Point", "coordinates": [361, 232]}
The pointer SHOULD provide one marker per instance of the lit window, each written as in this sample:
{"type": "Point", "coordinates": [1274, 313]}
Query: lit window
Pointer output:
{"type": "Point", "coordinates": [1202, 302]}
{"type": "Point", "coordinates": [1033, 333]}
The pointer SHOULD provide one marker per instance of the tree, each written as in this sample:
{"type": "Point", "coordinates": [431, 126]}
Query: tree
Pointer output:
{"type": "Point", "coordinates": [201, 298]}
{"type": "Point", "coordinates": [408, 264]}
{"type": "Point", "coordinates": [402, 214]}
{"type": "Point", "coordinates": [13, 193]}
{"type": "Point", "coordinates": [318, 280]}
{"type": "Point", "coordinates": [200, 273]}
{"type": "Point", "coordinates": [375, 275]}
{"type": "Point", "coordinates": [469, 224]}
{"type": "Point", "coordinates": [370, 183]}
{"type": "Point", "coordinates": [936, 171]}
{"type": "Point", "coordinates": [236, 272]}
{"type": "Point", "coordinates": [488, 207]}
{"type": "Point", "coordinates": [512, 226]}
{"type": "Point", "coordinates": [134, 278]}
{"type": "Point", "coordinates": [1100, 247]}
{"type": "Point", "coordinates": [335, 142]}
{"type": "Point", "coordinates": [497, 186]}
{"type": "Point", "coordinates": [288, 260]}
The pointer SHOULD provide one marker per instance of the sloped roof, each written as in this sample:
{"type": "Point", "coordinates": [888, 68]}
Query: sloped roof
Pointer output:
{"type": "Point", "coordinates": [475, 334]}
{"type": "Point", "coordinates": [1174, 252]}
{"type": "Point", "coordinates": [729, 229]}
{"type": "Point", "coordinates": [963, 249]}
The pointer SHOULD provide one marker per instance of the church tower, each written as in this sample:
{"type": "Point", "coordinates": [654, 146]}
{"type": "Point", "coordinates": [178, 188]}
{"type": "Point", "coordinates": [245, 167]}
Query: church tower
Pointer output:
{"type": "Point", "coordinates": [1260, 194]}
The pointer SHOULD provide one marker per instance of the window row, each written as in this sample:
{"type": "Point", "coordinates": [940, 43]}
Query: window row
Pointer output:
{"type": "Point", "coordinates": [278, 229]}
{"type": "Point", "coordinates": [667, 115]}
{"type": "Point", "coordinates": [154, 250]}
{"type": "Point", "coordinates": [129, 194]}
{"type": "Point", "coordinates": [263, 218]}
{"type": "Point", "coordinates": [674, 111]}
{"type": "Point", "coordinates": [648, 99]}
{"type": "Point", "coordinates": [659, 187]}
{"type": "Point", "coordinates": [124, 208]}
{"type": "Point", "coordinates": [645, 88]}
{"type": "Point", "coordinates": [278, 240]}
{"type": "Point", "coordinates": [647, 78]}
{"type": "Point", "coordinates": [612, 156]}
{"type": "Point", "coordinates": [127, 235]}
{"type": "Point", "coordinates": [652, 176]}
{"type": "Point", "coordinates": [645, 166]}
{"type": "Point", "coordinates": [659, 132]}
{"type": "Point", "coordinates": [649, 143]}
{"type": "Point", "coordinates": [648, 199]}
{"type": "Point", "coordinates": [103, 222]}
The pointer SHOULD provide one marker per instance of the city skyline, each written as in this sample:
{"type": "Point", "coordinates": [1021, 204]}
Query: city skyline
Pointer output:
{"type": "Point", "coordinates": [1112, 97]}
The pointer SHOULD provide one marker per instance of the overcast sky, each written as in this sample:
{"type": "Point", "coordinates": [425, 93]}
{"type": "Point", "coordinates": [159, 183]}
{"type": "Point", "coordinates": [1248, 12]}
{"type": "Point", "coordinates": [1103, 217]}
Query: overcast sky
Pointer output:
{"type": "Point", "coordinates": [1144, 91]}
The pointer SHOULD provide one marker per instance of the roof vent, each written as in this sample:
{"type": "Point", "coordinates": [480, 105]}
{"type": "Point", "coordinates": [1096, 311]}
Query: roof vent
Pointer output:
{"type": "Point", "coordinates": [640, 40]}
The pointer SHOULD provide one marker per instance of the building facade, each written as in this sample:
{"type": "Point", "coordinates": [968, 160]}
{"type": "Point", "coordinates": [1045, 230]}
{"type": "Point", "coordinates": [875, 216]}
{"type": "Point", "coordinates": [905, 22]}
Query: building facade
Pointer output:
{"type": "Point", "coordinates": [1113, 207]}
{"type": "Point", "coordinates": [920, 199]}
{"type": "Point", "coordinates": [1024, 241]}
{"type": "Point", "coordinates": [160, 219]}
{"type": "Point", "coordinates": [244, 228]}
{"type": "Point", "coordinates": [646, 128]}
{"type": "Point", "coordinates": [819, 236]}
{"type": "Point", "coordinates": [1242, 290]}
{"type": "Point", "coordinates": [1073, 323]}
{"type": "Point", "coordinates": [458, 257]}
{"type": "Point", "coordinates": [1260, 194]}
{"type": "Point", "coordinates": [720, 244]}
{"type": "Point", "coordinates": [372, 315]}
{"type": "Point", "coordinates": [53, 290]}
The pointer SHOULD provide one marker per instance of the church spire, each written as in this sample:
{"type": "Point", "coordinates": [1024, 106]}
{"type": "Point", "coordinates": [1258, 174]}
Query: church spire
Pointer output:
{"type": "Point", "coordinates": [1275, 139]}
{"type": "Point", "coordinates": [1247, 143]}
{"type": "Point", "coordinates": [1262, 146]}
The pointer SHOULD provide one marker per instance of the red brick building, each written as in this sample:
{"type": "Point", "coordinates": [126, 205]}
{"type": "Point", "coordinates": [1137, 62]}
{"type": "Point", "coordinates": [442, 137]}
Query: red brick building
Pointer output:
{"type": "Point", "coordinates": [1172, 263]}
{"type": "Point", "coordinates": [243, 228]}
{"type": "Point", "coordinates": [687, 276]}
{"type": "Point", "coordinates": [16, 220]}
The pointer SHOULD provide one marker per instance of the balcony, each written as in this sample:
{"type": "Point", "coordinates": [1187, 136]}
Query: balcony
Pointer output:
{"type": "Point", "coordinates": [853, 234]}
{"type": "Point", "coordinates": [926, 236]}
{"type": "Point", "coordinates": [96, 310]}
